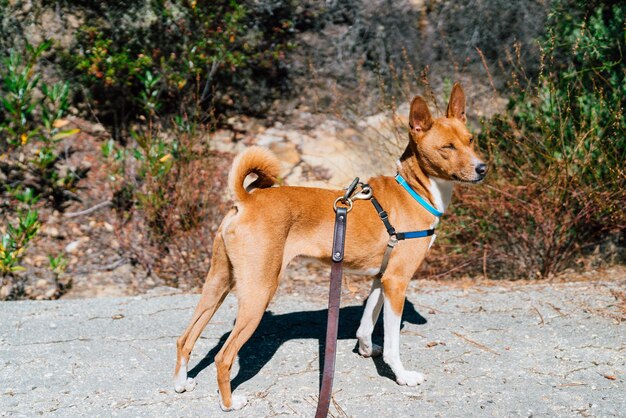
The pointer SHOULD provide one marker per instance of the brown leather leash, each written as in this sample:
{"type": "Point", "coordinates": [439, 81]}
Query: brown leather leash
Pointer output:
{"type": "Point", "coordinates": [334, 293]}
{"type": "Point", "coordinates": [334, 301]}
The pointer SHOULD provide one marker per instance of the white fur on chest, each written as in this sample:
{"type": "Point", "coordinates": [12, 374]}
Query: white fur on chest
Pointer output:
{"type": "Point", "coordinates": [441, 192]}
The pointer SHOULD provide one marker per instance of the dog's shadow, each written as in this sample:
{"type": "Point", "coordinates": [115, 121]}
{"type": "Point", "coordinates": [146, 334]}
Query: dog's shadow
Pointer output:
{"type": "Point", "coordinates": [274, 330]}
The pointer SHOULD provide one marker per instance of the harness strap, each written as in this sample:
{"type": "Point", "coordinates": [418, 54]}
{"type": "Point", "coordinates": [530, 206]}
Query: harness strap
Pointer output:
{"type": "Point", "coordinates": [391, 244]}
{"type": "Point", "coordinates": [416, 234]}
{"type": "Point", "coordinates": [383, 216]}
{"type": "Point", "coordinates": [392, 231]}
{"type": "Point", "coordinates": [394, 236]}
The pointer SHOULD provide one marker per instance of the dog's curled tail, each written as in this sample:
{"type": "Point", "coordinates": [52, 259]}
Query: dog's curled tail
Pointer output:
{"type": "Point", "coordinates": [254, 160]}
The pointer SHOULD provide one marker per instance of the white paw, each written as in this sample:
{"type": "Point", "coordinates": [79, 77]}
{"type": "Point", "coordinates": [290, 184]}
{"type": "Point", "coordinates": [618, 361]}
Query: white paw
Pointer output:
{"type": "Point", "coordinates": [237, 402]}
{"type": "Point", "coordinates": [374, 351]}
{"type": "Point", "coordinates": [185, 384]}
{"type": "Point", "coordinates": [409, 378]}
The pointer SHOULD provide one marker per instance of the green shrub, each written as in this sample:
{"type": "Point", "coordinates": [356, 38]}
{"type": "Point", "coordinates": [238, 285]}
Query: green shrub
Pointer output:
{"type": "Point", "coordinates": [19, 81]}
{"type": "Point", "coordinates": [558, 185]}
{"type": "Point", "coordinates": [200, 51]}
{"type": "Point", "coordinates": [16, 238]}
{"type": "Point", "coordinates": [33, 114]}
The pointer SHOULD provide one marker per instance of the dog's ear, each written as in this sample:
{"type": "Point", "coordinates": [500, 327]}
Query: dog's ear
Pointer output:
{"type": "Point", "coordinates": [456, 106]}
{"type": "Point", "coordinates": [420, 119]}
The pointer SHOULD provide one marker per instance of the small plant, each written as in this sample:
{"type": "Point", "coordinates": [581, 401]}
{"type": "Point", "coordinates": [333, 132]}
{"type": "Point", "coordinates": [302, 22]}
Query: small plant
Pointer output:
{"type": "Point", "coordinates": [19, 81]}
{"type": "Point", "coordinates": [26, 196]}
{"type": "Point", "coordinates": [16, 239]}
{"type": "Point", "coordinates": [154, 154]}
{"type": "Point", "coordinates": [53, 108]}
{"type": "Point", "coordinates": [36, 121]}
{"type": "Point", "coordinates": [58, 264]}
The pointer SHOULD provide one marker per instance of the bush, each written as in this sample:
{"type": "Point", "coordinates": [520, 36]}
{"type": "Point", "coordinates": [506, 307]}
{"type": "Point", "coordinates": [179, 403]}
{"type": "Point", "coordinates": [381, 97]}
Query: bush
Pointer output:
{"type": "Point", "coordinates": [32, 121]}
{"type": "Point", "coordinates": [168, 192]}
{"type": "Point", "coordinates": [558, 183]}
{"type": "Point", "coordinates": [226, 54]}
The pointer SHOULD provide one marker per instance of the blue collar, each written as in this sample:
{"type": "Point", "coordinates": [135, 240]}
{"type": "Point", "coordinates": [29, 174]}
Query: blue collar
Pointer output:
{"type": "Point", "coordinates": [402, 182]}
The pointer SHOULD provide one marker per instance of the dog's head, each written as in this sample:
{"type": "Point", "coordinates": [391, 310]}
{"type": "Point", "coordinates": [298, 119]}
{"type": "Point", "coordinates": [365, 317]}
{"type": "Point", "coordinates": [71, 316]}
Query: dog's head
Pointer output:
{"type": "Point", "coordinates": [445, 147]}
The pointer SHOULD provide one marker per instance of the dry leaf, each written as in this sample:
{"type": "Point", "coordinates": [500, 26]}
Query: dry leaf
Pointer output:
{"type": "Point", "coordinates": [59, 123]}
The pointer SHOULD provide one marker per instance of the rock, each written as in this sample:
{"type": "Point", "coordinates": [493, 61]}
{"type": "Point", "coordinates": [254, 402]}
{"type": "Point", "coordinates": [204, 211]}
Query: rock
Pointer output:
{"type": "Point", "coordinates": [41, 284]}
{"type": "Point", "coordinates": [352, 135]}
{"type": "Point", "coordinates": [51, 231]}
{"type": "Point", "coordinates": [286, 152]}
{"type": "Point", "coordinates": [268, 137]}
{"type": "Point", "coordinates": [40, 260]}
{"type": "Point", "coordinates": [72, 247]}
{"type": "Point", "coordinates": [97, 128]}
{"type": "Point", "coordinates": [5, 291]}
{"type": "Point", "coordinates": [240, 123]}
{"type": "Point", "coordinates": [108, 227]}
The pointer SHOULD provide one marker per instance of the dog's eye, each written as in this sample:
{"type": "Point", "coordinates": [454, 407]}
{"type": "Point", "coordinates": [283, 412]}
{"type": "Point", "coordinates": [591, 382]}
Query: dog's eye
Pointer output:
{"type": "Point", "coordinates": [449, 146]}
{"type": "Point", "coordinates": [471, 140]}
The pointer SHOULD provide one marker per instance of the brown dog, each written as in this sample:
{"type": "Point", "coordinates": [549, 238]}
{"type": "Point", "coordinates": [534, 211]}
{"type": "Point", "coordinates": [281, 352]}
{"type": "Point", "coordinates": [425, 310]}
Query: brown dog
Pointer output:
{"type": "Point", "coordinates": [269, 226]}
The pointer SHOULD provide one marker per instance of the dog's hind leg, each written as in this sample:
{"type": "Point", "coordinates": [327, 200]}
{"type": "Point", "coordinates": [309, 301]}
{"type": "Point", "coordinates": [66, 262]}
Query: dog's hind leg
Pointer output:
{"type": "Point", "coordinates": [368, 321]}
{"type": "Point", "coordinates": [256, 286]}
{"type": "Point", "coordinates": [217, 285]}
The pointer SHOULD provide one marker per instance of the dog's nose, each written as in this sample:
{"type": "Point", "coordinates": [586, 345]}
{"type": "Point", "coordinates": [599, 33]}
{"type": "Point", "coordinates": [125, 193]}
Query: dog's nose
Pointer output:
{"type": "Point", "coordinates": [481, 169]}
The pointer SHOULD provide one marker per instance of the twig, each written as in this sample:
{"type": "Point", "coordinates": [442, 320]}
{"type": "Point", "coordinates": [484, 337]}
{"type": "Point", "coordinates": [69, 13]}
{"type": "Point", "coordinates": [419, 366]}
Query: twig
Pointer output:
{"type": "Point", "coordinates": [482, 58]}
{"type": "Point", "coordinates": [540, 316]}
{"type": "Point", "coordinates": [209, 79]}
{"type": "Point", "coordinates": [457, 357]}
{"type": "Point", "coordinates": [568, 385]}
{"type": "Point", "coordinates": [485, 262]}
{"type": "Point", "coordinates": [455, 268]}
{"type": "Point", "coordinates": [114, 265]}
{"type": "Point", "coordinates": [339, 408]}
{"type": "Point", "coordinates": [100, 205]}
{"type": "Point", "coordinates": [476, 344]}
{"type": "Point", "coordinates": [428, 307]}
{"type": "Point", "coordinates": [556, 309]}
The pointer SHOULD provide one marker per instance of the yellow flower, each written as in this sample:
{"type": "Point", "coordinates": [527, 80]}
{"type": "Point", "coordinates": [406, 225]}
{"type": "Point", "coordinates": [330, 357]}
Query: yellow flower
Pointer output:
{"type": "Point", "coordinates": [24, 139]}
{"type": "Point", "coordinates": [165, 158]}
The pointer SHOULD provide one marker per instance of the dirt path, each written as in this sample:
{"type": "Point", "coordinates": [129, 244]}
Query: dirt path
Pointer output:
{"type": "Point", "coordinates": [519, 350]}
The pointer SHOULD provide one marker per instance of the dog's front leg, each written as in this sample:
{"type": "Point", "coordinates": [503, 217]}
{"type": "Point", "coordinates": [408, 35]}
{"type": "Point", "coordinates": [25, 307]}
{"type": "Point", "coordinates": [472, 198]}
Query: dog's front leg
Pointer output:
{"type": "Point", "coordinates": [368, 321]}
{"type": "Point", "coordinates": [394, 290]}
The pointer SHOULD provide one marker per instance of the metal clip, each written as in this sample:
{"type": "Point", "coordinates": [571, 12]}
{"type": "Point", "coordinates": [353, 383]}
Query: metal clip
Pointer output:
{"type": "Point", "coordinates": [351, 188]}
{"type": "Point", "coordinates": [346, 202]}
{"type": "Point", "coordinates": [364, 194]}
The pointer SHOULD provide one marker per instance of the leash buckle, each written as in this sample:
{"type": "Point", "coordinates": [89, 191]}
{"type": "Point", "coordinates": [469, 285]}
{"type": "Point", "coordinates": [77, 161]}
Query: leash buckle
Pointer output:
{"type": "Point", "coordinates": [346, 202]}
{"type": "Point", "coordinates": [364, 194]}
{"type": "Point", "coordinates": [351, 194]}
{"type": "Point", "coordinates": [350, 190]}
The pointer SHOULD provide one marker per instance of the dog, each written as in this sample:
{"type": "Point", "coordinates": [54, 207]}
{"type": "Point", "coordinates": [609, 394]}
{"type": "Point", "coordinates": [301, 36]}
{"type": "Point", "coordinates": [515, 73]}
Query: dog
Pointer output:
{"type": "Point", "coordinates": [268, 226]}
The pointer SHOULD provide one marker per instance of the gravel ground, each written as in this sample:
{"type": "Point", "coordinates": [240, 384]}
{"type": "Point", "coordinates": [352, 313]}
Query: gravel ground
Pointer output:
{"type": "Point", "coordinates": [514, 350]}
